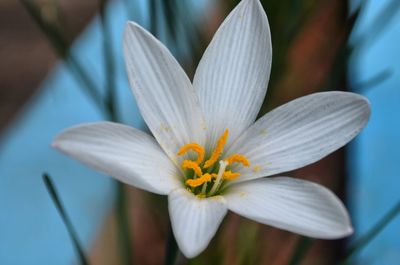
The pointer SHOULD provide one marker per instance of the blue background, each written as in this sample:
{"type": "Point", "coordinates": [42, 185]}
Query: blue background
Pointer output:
{"type": "Point", "coordinates": [374, 159]}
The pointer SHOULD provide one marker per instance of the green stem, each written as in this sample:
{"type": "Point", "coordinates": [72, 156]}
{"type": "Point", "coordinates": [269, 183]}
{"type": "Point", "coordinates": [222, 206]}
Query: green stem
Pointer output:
{"type": "Point", "coordinates": [171, 250]}
{"type": "Point", "coordinates": [302, 248]}
{"type": "Point", "coordinates": [371, 234]}
{"type": "Point", "coordinates": [123, 226]}
{"type": "Point", "coordinates": [124, 235]}
{"type": "Point", "coordinates": [109, 67]}
{"type": "Point", "coordinates": [68, 224]}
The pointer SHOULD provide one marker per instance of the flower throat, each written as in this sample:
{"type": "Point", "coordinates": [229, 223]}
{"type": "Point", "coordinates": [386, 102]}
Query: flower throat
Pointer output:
{"type": "Point", "coordinates": [207, 178]}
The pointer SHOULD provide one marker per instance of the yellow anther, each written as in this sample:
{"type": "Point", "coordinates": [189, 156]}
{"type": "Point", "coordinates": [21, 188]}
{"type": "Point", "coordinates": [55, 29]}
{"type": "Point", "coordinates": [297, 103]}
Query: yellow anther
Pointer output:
{"type": "Point", "coordinates": [194, 182]}
{"type": "Point", "coordinates": [192, 165]}
{"type": "Point", "coordinates": [218, 150]}
{"type": "Point", "coordinates": [199, 181]}
{"type": "Point", "coordinates": [229, 175]}
{"type": "Point", "coordinates": [238, 158]}
{"type": "Point", "coordinates": [194, 147]}
{"type": "Point", "coordinates": [206, 177]}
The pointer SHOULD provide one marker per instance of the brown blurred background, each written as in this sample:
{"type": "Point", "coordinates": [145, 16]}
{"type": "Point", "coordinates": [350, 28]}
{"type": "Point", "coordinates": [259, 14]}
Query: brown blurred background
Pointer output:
{"type": "Point", "coordinates": [26, 55]}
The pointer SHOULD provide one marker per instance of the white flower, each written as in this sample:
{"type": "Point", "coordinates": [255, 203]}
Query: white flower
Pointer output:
{"type": "Point", "coordinates": [208, 155]}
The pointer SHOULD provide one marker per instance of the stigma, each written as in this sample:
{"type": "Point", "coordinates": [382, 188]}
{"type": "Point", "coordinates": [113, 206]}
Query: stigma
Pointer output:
{"type": "Point", "coordinates": [203, 175]}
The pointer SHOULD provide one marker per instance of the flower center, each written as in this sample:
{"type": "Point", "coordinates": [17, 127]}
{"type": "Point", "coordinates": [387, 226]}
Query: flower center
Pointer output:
{"type": "Point", "coordinates": [207, 178]}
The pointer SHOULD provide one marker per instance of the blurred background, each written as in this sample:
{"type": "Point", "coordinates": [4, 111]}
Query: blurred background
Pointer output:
{"type": "Point", "coordinates": [62, 64]}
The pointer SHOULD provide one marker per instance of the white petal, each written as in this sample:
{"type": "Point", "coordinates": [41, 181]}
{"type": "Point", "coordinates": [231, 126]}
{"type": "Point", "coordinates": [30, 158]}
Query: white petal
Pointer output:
{"type": "Point", "coordinates": [233, 74]}
{"type": "Point", "coordinates": [122, 152]}
{"type": "Point", "coordinates": [164, 94]}
{"type": "Point", "coordinates": [301, 132]}
{"type": "Point", "coordinates": [194, 220]}
{"type": "Point", "coordinates": [298, 206]}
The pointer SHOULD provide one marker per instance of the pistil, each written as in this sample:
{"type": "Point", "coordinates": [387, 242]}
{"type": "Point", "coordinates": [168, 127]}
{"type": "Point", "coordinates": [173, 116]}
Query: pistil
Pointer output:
{"type": "Point", "coordinates": [222, 166]}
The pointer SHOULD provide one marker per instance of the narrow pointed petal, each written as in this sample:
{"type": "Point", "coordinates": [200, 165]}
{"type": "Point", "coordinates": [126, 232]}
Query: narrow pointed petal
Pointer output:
{"type": "Point", "coordinates": [125, 153]}
{"type": "Point", "coordinates": [301, 132]}
{"type": "Point", "coordinates": [164, 94]}
{"type": "Point", "coordinates": [194, 221]}
{"type": "Point", "coordinates": [298, 206]}
{"type": "Point", "coordinates": [232, 76]}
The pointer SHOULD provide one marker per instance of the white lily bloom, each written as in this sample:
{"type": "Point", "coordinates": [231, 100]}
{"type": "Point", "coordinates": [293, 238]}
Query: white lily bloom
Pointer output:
{"type": "Point", "coordinates": [208, 154]}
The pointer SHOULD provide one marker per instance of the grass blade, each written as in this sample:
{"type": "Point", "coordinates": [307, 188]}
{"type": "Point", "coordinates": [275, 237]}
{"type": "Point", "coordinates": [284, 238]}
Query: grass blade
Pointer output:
{"type": "Point", "coordinates": [372, 233]}
{"type": "Point", "coordinates": [170, 15]}
{"type": "Point", "coordinates": [57, 202]}
{"type": "Point", "coordinates": [109, 67]}
{"type": "Point", "coordinates": [61, 47]}
{"type": "Point", "coordinates": [171, 250]}
{"type": "Point", "coordinates": [50, 31]}
{"type": "Point", "coordinates": [124, 233]}
{"type": "Point", "coordinates": [153, 17]}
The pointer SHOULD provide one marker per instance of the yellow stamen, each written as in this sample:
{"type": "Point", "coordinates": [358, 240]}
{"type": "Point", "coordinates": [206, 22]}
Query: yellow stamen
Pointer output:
{"type": "Point", "coordinates": [218, 150]}
{"type": "Point", "coordinates": [194, 147]}
{"type": "Point", "coordinates": [192, 165]}
{"type": "Point", "coordinates": [238, 158]}
{"type": "Point", "coordinates": [216, 179]}
{"type": "Point", "coordinates": [229, 175]}
{"type": "Point", "coordinates": [199, 181]}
